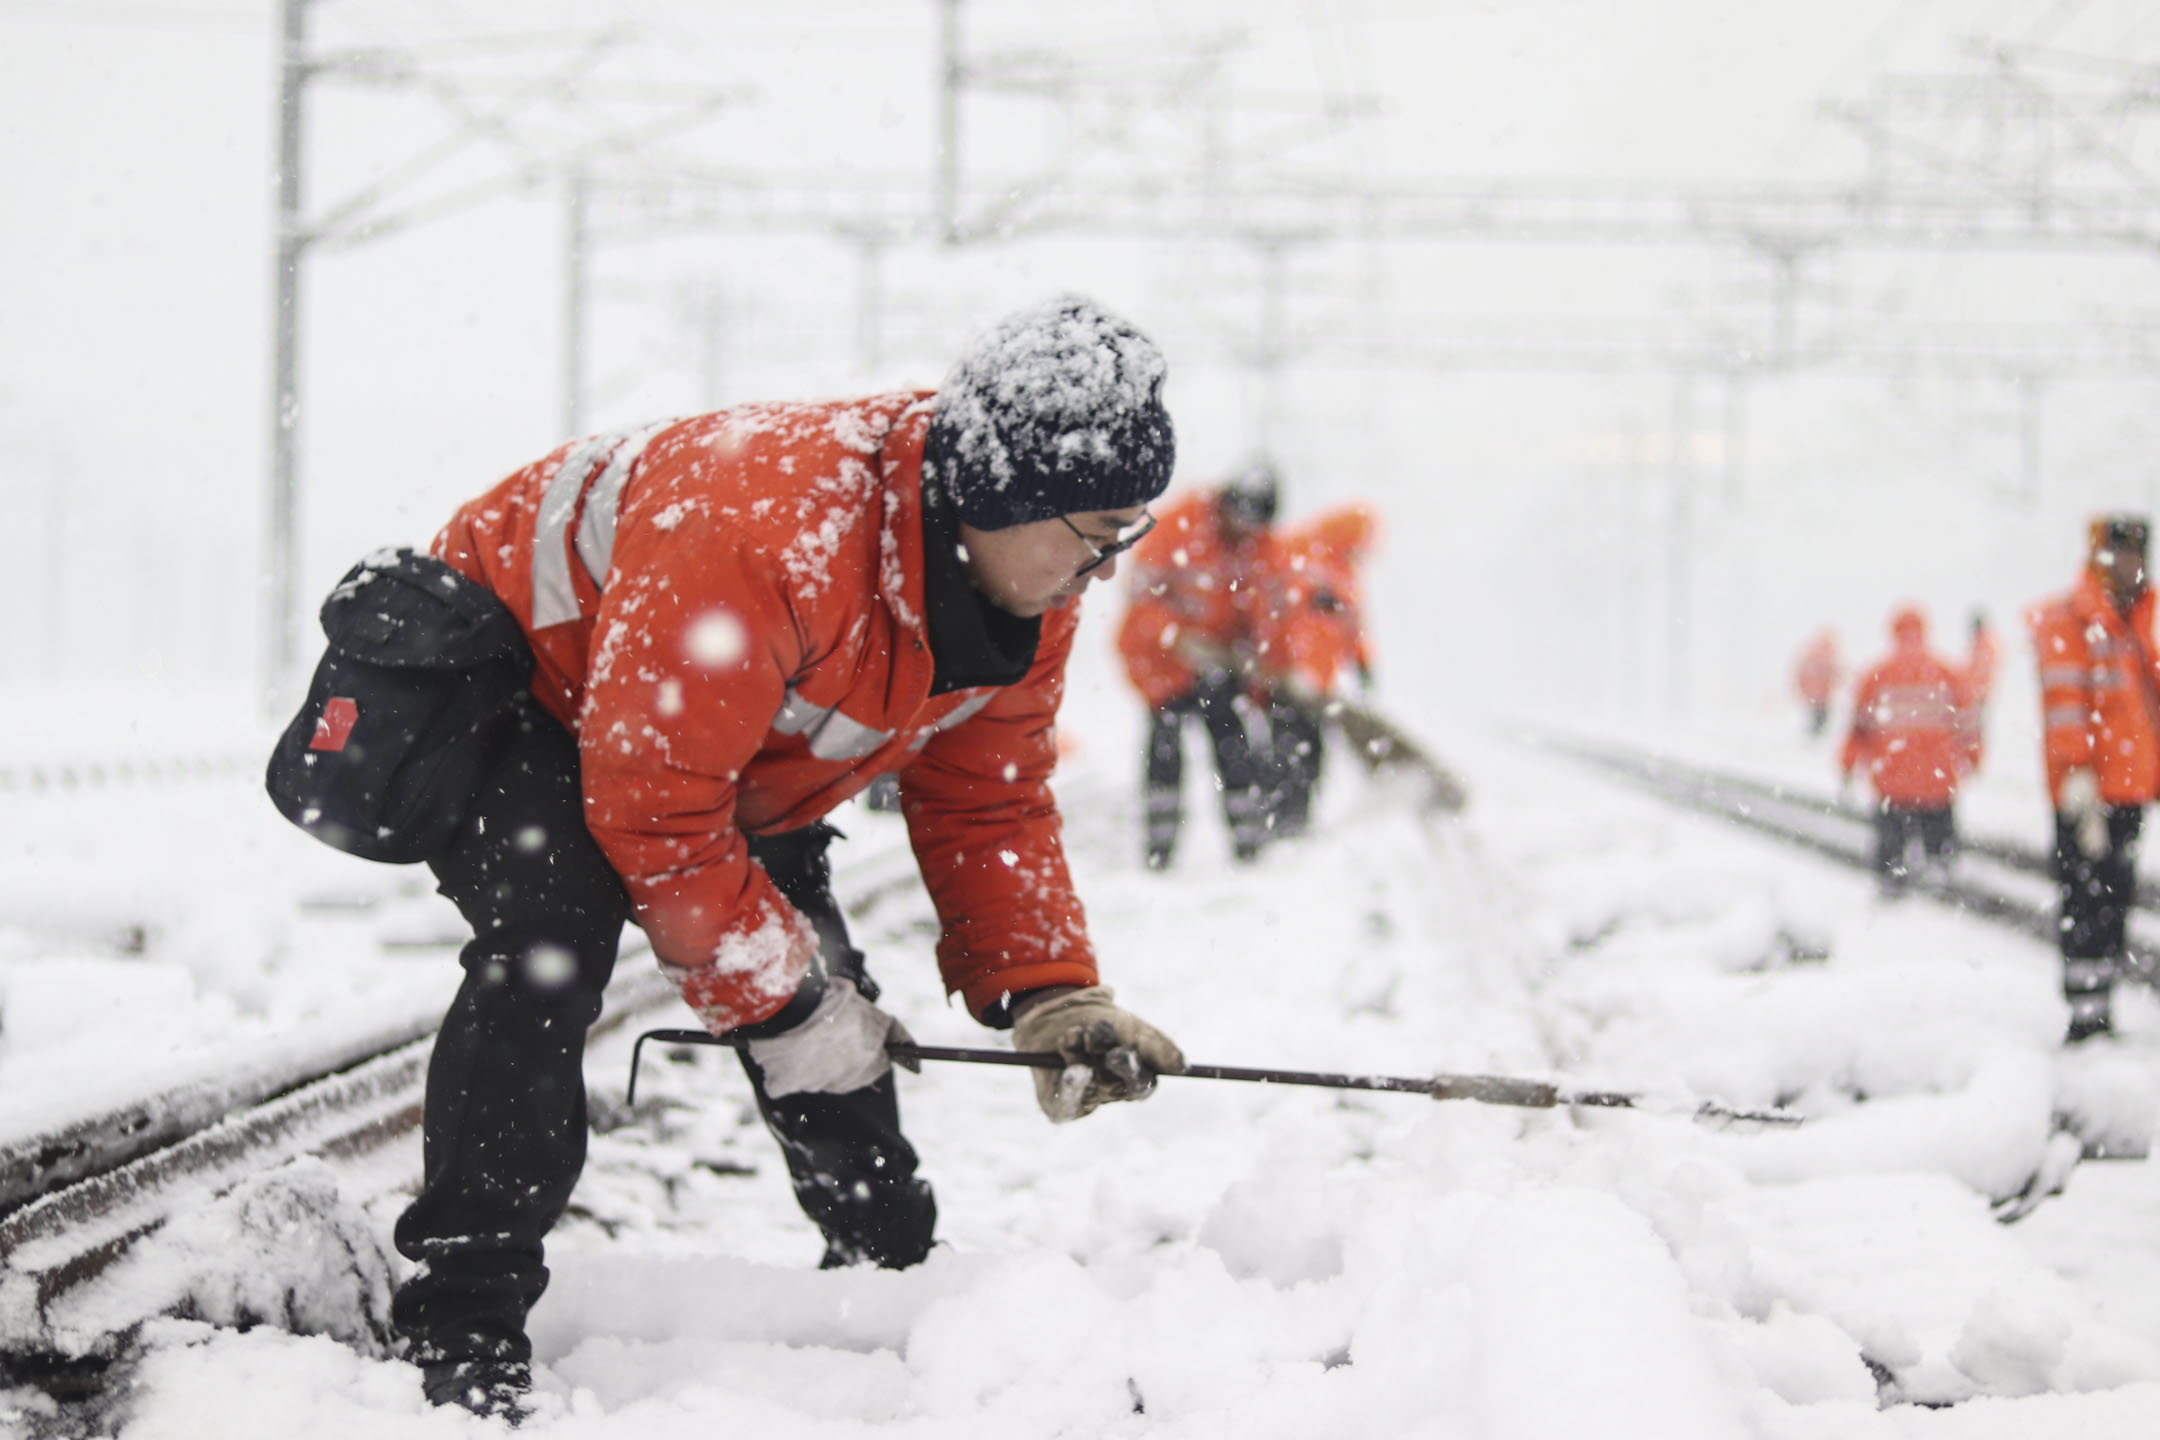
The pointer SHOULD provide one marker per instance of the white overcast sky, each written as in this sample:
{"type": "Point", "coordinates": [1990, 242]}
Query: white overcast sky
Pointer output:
{"type": "Point", "coordinates": [135, 154]}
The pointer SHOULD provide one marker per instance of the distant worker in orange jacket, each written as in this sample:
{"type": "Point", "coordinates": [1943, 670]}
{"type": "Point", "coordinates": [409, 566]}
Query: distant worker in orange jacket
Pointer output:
{"type": "Point", "coordinates": [1189, 643]}
{"type": "Point", "coordinates": [1816, 677]}
{"type": "Point", "coordinates": [1912, 730]}
{"type": "Point", "coordinates": [1311, 642]}
{"type": "Point", "coordinates": [2099, 698]}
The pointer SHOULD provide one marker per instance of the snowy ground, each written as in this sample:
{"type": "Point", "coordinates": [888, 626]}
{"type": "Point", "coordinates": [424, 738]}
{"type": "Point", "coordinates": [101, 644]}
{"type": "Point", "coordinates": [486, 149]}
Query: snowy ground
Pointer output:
{"type": "Point", "coordinates": [1224, 1259]}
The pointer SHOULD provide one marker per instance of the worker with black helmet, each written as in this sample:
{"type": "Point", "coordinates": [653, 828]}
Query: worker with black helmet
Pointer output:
{"type": "Point", "coordinates": [1188, 645]}
{"type": "Point", "coordinates": [2100, 711]}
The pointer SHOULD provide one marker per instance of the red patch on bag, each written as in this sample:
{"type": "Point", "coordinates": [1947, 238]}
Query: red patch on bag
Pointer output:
{"type": "Point", "coordinates": [335, 724]}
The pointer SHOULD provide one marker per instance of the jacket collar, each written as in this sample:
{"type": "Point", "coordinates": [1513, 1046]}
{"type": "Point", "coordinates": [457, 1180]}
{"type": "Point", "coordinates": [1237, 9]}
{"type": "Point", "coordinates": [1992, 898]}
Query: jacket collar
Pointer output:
{"type": "Point", "coordinates": [2094, 603]}
{"type": "Point", "coordinates": [972, 643]}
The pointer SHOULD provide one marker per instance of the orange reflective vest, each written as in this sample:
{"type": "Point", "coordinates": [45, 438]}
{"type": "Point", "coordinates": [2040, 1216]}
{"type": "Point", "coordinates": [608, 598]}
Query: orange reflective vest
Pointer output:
{"type": "Point", "coordinates": [2098, 699]}
{"type": "Point", "coordinates": [1816, 676]}
{"type": "Point", "coordinates": [1310, 627]}
{"type": "Point", "coordinates": [729, 612]}
{"type": "Point", "coordinates": [1912, 727]}
{"type": "Point", "coordinates": [1193, 602]}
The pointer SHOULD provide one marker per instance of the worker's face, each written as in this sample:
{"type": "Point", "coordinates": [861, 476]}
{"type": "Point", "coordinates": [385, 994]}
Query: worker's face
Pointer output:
{"type": "Point", "coordinates": [1043, 565]}
{"type": "Point", "coordinates": [2125, 566]}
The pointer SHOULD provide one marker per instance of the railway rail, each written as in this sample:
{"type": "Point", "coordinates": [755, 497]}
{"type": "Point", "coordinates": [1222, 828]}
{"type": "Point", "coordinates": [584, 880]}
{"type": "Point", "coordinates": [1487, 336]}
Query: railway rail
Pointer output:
{"type": "Point", "coordinates": [1844, 833]}
{"type": "Point", "coordinates": [77, 1195]}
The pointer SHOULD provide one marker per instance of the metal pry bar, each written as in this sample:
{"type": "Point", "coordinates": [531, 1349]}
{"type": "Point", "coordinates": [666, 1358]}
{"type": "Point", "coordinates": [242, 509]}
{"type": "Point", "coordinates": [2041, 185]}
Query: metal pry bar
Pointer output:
{"type": "Point", "coordinates": [1484, 1089]}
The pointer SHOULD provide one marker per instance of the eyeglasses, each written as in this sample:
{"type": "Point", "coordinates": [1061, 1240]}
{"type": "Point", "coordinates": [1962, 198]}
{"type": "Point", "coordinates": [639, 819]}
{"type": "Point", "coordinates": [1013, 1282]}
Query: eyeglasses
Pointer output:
{"type": "Point", "coordinates": [1105, 551]}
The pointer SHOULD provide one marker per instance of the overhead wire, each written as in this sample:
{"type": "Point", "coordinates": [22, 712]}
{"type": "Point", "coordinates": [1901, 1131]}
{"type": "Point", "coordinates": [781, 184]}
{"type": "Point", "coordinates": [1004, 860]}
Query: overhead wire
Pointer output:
{"type": "Point", "coordinates": [119, 12]}
{"type": "Point", "coordinates": [1866, 59]}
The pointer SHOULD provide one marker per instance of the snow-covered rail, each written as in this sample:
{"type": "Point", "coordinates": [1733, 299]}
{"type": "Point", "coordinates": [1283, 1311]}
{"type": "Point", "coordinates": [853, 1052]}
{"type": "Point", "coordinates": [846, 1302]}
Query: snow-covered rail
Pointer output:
{"type": "Point", "coordinates": [349, 1107]}
{"type": "Point", "coordinates": [97, 774]}
{"type": "Point", "coordinates": [1844, 833]}
{"type": "Point", "coordinates": [77, 1195]}
{"type": "Point", "coordinates": [2026, 859]}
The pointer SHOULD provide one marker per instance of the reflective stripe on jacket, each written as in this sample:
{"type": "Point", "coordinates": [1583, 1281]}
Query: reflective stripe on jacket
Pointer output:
{"type": "Point", "coordinates": [1912, 729]}
{"type": "Point", "coordinates": [2098, 703]}
{"type": "Point", "coordinates": [729, 612]}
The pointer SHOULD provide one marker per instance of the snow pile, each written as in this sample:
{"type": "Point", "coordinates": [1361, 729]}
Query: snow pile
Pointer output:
{"type": "Point", "coordinates": [281, 1249]}
{"type": "Point", "coordinates": [1267, 1261]}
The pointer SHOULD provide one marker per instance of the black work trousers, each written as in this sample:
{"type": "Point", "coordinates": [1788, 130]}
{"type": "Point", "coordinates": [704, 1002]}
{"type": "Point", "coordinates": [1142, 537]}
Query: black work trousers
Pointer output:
{"type": "Point", "coordinates": [505, 1124]}
{"type": "Point", "coordinates": [2097, 893]}
{"type": "Point", "coordinates": [1237, 769]}
{"type": "Point", "coordinates": [1900, 828]}
{"type": "Point", "coordinates": [1296, 747]}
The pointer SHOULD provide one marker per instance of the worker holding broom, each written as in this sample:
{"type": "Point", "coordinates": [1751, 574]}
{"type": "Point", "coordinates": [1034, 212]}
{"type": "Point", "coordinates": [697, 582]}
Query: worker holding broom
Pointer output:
{"type": "Point", "coordinates": [629, 683]}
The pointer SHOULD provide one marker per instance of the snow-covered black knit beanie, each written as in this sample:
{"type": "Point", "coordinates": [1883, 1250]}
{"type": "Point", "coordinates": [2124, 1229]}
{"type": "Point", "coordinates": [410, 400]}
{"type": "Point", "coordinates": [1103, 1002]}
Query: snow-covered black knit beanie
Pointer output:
{"type": "Point", "coordinates": [1056, 411]}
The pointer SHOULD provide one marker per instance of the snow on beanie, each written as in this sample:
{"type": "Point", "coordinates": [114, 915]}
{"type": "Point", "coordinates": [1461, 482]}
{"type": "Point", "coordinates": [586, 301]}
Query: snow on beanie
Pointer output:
{"type": "Point", "coordinates": [1057, 410]}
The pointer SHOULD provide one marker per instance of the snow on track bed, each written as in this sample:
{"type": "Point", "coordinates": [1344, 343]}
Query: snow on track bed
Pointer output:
{"type": "Point", "coordinates": [2004, 889]}
{"type": "Point", "coordinates": [1251, 1261]}
{"type": "Point", "coordinates": [85, 1184]}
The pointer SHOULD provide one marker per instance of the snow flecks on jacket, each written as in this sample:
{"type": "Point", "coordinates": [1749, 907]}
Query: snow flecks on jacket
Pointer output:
{"type": "Point", "coordinates": [751, 973]}
{"type": "Point", "coordinates": [685, 655]}
{"type": "Point", "coordinates": [667, 517]}
{"type": "Point", "coordinates": [855, 432]}
{"type": "Point", "coordinates": [827, 515]}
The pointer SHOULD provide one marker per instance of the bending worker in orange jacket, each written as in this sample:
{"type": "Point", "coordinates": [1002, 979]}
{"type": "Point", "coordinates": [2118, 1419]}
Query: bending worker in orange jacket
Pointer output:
{"type": "Point", "coordinates": [2100, 708]}
{"type": "Point", "coordinates": [1188, 644]}
{"type": "Point", "coordinates": [1913, 728]}
{"type": "Point", "coordinates": [720, 629]}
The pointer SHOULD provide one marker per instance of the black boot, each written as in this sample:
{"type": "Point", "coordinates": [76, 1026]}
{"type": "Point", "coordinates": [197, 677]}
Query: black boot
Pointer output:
{"type": "Point", "coordinates": [2088, 988]}
{"type": "Point", "coordinates": [852, 1168]}
{"type": "Point", "coordinates": [853, 1172]}
{"type": "Point", "coordinates": [1164, 817]}
{"type": "Point", "coordinates": [495, 1389]}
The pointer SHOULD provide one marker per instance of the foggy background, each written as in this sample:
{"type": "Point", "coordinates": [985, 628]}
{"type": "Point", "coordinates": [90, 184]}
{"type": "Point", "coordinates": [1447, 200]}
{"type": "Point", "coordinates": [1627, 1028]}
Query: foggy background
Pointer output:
{"type": "Point", "coordinates": [1661, 332]}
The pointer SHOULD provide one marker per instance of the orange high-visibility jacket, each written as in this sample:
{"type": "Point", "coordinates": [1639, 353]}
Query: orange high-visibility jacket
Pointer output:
{"type": "Point", "coordinates": [1310, 626]}
{"type": "Point", "coordinates": [729, 612]}
{"type": "Point", "coordinates": [1912, 726]}
{"type": "Point", "coordinates": [1816, 676]}
{"type": "Point", "coordinates": [1192, 605]}
{"type": "Point", "coordinates": [2098, 702]}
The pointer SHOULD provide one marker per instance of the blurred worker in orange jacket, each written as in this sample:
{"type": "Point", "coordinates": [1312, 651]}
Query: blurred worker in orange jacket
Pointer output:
{"type": "Point", "coordinates": [1189, 642]}
{"type": "Point", "coordinates": [1912, 727]}
{"type": "Point", "coordinates": [1816, 677]}
{"type": "Point", "coordinates": [1311, 641]}
{"type": "Point", "coordinates": [2099, 696]}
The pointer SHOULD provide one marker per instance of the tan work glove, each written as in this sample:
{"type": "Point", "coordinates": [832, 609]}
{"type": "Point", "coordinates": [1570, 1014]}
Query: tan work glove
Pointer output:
{"type": "Point", "coordinates": [1109, 1053]}
{"type": "Point", "coordinates": [2079, 802]}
